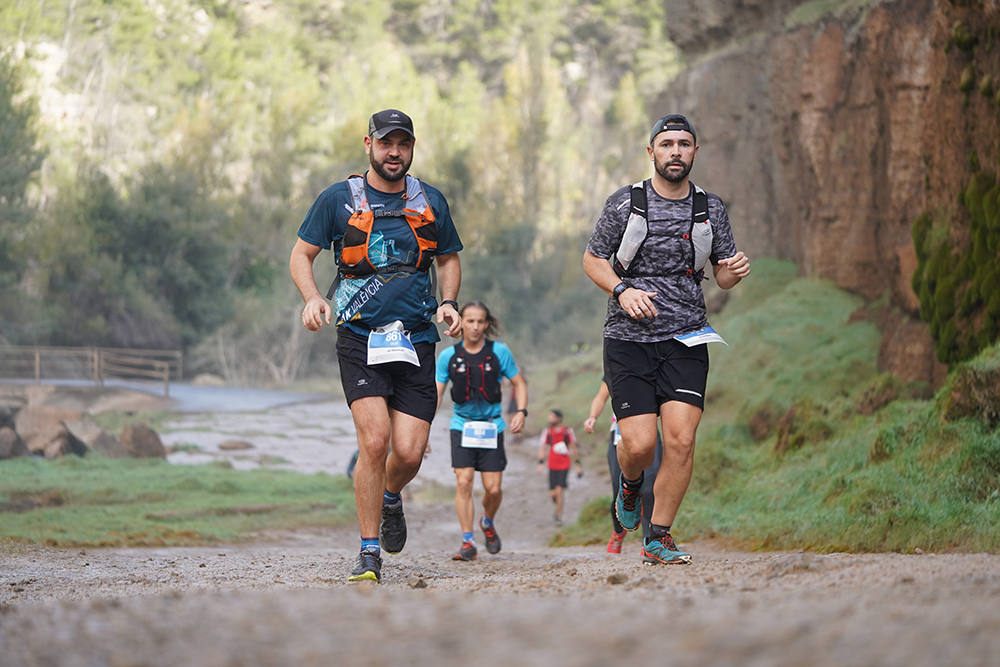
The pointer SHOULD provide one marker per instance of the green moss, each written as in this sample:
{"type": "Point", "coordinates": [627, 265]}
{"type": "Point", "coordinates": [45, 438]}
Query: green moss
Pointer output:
{"type": "Point", "coordinates": [957, 284]}
{"type": "Point", "coordinates": [967, 81]}
{"type": "Point", "coordinates": [985, 86]}
{"type": "Point", "coordinates": [962, 37]}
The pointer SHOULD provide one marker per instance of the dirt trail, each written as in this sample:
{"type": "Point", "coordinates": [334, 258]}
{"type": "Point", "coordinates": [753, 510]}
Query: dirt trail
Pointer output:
{"type": "Point", "coordinates": [282, 600]}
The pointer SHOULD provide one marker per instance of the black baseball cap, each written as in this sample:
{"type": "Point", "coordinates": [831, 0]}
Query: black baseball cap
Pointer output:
{"type": "Point", "coordinates": [672, 121]}
{"type": "Point", "coordinates": [383, 122]}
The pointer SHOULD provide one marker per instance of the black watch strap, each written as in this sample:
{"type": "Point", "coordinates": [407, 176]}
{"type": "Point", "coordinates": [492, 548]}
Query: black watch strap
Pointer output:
{"type": "Point", "coordinates": [619, 288]}
{"type": "Point", "coordinates": [523, 411]}
{"type": "Point", "coordinates": [454, 304]}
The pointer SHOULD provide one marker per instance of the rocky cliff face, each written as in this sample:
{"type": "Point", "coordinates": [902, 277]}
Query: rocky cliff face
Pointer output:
{"type": "Point", "coordinates": [828, 139]}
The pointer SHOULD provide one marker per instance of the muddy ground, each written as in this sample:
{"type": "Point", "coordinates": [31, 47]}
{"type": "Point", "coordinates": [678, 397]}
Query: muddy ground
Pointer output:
{"type": "Point", "coordinates": [282, 599]}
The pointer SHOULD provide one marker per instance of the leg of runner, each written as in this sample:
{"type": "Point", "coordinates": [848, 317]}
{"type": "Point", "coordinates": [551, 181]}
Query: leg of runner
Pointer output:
{"type": "Point", "coordinates": [635, 454]}
{"type": "Point", "coordinates": [560, 493]}
{"type": "Point", "coordinates": [617, 530]}
{"type": "Point", "coordinates": [409, 440]}
{"type": "Point", "coordinates": [492, 496]}
{"type": "Point", "coordinates": [371, 421]}
{"type": "Point", "coordinates": [648, 481]}
{"type": "Point", "coordinates": [680, 423]}
{"type": "Point", "coordinates": [466, 510]}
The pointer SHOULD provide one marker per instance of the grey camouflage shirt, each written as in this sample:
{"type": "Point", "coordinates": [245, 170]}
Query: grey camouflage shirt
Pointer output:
{"type": "Point", "coordinates": [661, 263]}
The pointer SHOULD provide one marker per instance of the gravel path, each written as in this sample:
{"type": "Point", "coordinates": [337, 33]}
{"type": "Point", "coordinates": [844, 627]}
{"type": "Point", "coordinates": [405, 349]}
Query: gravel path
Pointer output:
{"type": "Point", "coordinates": [282, 600]}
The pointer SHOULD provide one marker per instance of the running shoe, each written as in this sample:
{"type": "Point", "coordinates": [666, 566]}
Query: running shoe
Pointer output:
{"type": "Point", "coordinates": [628, 506]}
{"type": "Point", "coordinates": [392, 530]}
{"type": "Point", "coordinates": [368, 567]}
{"type": "Point", "coordinates": [664, 551]}
{"type": "Point", "coordinates": [492, 538]}
{"type": "Point", "coordinates": [615, 543]}
{"type": "Point", "coordinates": [467, 552]}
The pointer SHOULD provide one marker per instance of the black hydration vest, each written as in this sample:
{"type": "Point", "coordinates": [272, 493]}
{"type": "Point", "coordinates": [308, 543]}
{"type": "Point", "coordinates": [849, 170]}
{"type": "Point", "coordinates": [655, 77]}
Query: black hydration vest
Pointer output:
{"type": "Point", "coordinates": [474, 376]}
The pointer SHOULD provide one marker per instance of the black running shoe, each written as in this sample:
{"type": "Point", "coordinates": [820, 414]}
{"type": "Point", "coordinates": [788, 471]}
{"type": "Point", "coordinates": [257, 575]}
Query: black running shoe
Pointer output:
{"type": "Point", "coordinates": [368, 567]}
{"type": "Point", "coordinates": [466, 552]}
{"type": "Point", "coordinates": [492, 538]}
{"type": "Point", "coordinates": [392, 530]}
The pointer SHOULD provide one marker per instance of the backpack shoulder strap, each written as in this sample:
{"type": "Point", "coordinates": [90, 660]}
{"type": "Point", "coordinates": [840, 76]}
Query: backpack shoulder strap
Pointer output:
{"type": "Point", "coordinates": [699, 205]}
{"type": "Point", "coordinates": [639, 204]}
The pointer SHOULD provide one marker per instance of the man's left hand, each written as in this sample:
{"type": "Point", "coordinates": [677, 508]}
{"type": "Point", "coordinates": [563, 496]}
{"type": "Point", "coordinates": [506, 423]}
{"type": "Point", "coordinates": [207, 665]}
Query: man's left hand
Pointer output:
{"type": "Point", "coordinates": [517, 422]}
{"type": "Point", "coordinates": [738, 265]}
{"type": "Point", "coordinates": [446, 313]}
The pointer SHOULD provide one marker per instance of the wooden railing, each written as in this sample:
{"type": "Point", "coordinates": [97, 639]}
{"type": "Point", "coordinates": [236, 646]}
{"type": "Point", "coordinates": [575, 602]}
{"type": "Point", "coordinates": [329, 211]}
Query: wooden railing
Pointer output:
{"type": "Point", "coordinates": [91, 363]}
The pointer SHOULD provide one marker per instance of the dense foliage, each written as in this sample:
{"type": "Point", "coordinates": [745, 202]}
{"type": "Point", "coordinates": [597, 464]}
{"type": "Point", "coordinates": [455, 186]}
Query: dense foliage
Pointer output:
{"type": "Point", "coordinates": [187, 138]}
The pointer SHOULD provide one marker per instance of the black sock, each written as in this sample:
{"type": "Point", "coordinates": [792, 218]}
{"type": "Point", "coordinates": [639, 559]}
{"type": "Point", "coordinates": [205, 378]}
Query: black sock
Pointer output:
{"type": "Point", "coordinates": [634, 485]}
{"type": "Point", "coordinates": [656, 530]}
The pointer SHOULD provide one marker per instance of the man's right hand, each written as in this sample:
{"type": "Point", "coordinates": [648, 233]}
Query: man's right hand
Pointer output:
{"type": "Point", "coordinates": [315, 312]}
{"type": "Point", "coordinates": [588, 425]}
{"type": "Point", "coordinates": [637, 303]}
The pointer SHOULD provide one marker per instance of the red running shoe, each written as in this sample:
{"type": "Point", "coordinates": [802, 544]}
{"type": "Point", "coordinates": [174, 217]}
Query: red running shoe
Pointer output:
{"type": "Point", "coordinates": [615, 543]}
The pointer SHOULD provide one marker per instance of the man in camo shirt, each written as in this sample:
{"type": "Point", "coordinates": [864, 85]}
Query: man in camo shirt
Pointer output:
{"type": "Point", "coordinates": [650, 372]}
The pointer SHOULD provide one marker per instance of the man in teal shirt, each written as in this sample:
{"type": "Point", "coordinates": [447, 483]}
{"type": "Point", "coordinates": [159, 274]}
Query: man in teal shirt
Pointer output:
{"type": "Point", "coordinates": [385, 228]}
{"type": "Point", "coordinates": [476, 367]}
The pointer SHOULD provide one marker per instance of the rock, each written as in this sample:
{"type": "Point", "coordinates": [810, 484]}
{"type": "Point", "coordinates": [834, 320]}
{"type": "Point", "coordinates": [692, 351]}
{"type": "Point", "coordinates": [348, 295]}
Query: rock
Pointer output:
{"type": "Point", "coordinates": [141, 441]}
{"type": "Point", "coordinates": [9, 407]}
{"type": "Point", "coordinates": [617, 578]}
{"type": "Point", "coordinates": [11, 444]}
{"type": "Point", "coordinates": [41, 425]}
{"type": "Point", "coordinates": [96, 439]}
{"type": "Point", "coordinates": [234, 445]}
{"type": "Point", "coordinates": [208, 380]}
{"type": "Point", "coordinates": [417, 581]}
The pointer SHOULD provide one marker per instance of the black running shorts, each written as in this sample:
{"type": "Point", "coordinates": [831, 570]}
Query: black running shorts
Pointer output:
{"type": "Point", "coordinates": [558, 478]}
{"type": "Point", "coordinates": [644, 376]}
{"type": "Point", "coordinates": [409, 389]}
{"type": "Point", "coordinates": [483, 460]}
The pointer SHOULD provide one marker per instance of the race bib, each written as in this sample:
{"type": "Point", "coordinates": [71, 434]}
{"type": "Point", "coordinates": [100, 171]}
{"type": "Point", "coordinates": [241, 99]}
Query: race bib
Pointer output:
{"type": "Point", "coordinates": [617, 431]}
{"type": "Point", "coordinates": [560, 448]}
{"type": "Point", "coordinates": [479, 435]}
{"type": "Point", "coordinates": [705, 335]}
{"type": "Point", "coordinates": [391, 343]}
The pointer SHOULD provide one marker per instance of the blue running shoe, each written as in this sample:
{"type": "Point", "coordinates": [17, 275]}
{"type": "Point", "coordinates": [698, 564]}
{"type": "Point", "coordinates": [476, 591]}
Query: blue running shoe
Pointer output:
{"type": "Point", "coordinates": [628, 506]}
{"type": "Point", "coordinates": [663, 551]}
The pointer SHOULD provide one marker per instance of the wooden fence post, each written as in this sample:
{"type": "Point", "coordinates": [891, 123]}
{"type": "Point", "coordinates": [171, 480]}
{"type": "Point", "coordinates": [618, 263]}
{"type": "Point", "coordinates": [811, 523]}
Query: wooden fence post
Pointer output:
{"type": "Point", "coordinates": [38, 366]}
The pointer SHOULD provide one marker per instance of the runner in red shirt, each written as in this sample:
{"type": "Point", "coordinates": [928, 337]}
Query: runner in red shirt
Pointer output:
{"type": "Point", "coordinates": [558, 445]}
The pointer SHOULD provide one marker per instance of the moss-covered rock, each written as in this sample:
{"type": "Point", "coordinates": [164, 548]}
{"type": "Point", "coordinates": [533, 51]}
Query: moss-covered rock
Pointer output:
{"type": "Point", "coordinates": [958, 285]}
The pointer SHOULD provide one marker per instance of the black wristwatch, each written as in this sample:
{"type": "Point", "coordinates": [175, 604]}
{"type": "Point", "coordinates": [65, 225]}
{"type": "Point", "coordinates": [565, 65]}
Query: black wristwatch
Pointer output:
{"type": "Point", "coordinates": [619, 288]}
{"type": "Point", "coordinates": [454, 304]}
{"type": "Point", "coordinates": [523, 411]}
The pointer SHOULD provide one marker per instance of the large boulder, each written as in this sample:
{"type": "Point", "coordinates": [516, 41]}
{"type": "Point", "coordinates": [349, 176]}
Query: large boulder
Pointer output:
{"type": "Point", "coordinates": [96, 439]}
{"type": "Point", "coordinates": [9, 407]}
{"type": "Point", "coordinates": [44, 431]}
{"type": "Point", "coordinates": [142, 442]}
{"type": "Point", "coordinates": [11, 444]}
{"type": "Point", "coordinates": [40, 425]}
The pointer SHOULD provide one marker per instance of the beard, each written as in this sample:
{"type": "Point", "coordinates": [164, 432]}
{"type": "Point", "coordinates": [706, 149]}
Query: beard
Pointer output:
{"type": "Point", "coordinates": [380, 169]}
{"type": "Point", "coordinates": [674, 177]}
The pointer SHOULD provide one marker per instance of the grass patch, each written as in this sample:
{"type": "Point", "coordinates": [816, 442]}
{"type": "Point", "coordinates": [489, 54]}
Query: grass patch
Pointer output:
{"type": "Point", "coordinates": [95, 501]}
{"type": "Point", "coordinates": [805, 445]}
{"type": "Point", "coordinates": [114, 421]}
{"type": "Point", "coordinates": [816, 10]}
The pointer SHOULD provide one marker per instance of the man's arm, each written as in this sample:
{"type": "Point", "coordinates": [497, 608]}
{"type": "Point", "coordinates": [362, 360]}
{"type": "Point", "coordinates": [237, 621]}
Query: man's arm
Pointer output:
{"type": "Point", "coordinates": [637, 303]}
{"type": "Point", "coordinates": [300, 266]}
{"type": "Point", "coordinates": [574, 452]}
{"type": "Point", "coordinates": [449, 271]}
{"type": "Point", "coordinates": [596, 407]}
{"type": "Point", "coordinates": [521, 398]}
{"type": "Point", "coordinates": [542, 445]}
{"type": "Point", "coordinates": [440, 387]}
{"type": "Point", "coordinates": [729, 272]}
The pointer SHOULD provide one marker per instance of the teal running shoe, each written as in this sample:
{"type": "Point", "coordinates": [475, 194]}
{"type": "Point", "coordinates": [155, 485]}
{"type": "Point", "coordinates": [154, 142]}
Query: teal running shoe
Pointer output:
{"type": "Point", "coordinates": [664, 551]}
{"type": "Point", "coordinates": [628, 506]}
